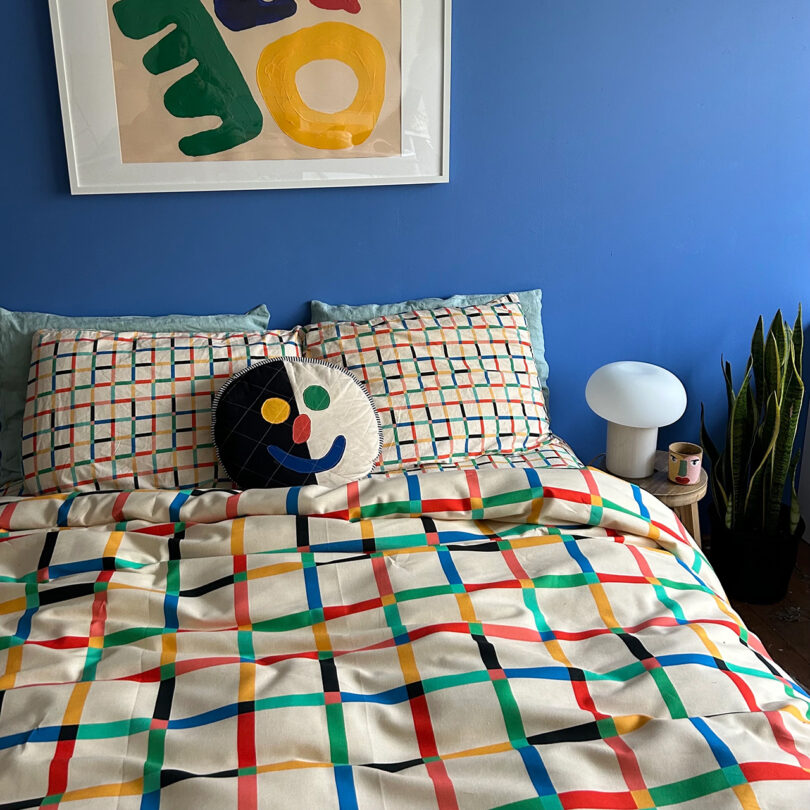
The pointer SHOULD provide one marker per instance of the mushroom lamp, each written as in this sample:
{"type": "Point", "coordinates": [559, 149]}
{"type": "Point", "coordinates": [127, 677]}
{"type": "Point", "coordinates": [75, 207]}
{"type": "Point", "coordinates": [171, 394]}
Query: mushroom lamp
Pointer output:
{"type": "Point", "coordinates": [636, 399]}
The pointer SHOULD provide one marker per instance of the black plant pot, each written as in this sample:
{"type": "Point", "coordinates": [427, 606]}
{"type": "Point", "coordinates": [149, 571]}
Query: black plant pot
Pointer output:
{"type": "Point", "coordinates": [753, 567]}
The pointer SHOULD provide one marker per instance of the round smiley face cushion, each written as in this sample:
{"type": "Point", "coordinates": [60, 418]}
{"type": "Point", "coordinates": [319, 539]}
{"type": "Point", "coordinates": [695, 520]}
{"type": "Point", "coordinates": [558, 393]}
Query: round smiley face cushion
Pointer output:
{"type": "Point", "coordinates": [290, 422]}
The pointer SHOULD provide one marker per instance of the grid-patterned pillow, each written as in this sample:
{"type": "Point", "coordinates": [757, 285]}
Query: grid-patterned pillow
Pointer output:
{"type": "Point", "coordinates": [553, 452]}
{"type": "Point", "coordinates": [128, 410]}
{"type": "Point", "coordinates": [449, 384]}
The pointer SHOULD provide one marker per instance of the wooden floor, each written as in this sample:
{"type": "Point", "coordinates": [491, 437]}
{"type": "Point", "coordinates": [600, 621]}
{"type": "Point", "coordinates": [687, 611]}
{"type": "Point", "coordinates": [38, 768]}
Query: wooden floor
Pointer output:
{"type": "Point", "coordinates": [784, 628]}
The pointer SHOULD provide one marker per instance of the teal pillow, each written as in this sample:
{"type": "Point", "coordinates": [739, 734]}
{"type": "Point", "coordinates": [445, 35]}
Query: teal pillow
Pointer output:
{"type": "Point", "coordinates": [530, 302]}
{"type": "Point", "coordinates": [17, 329]}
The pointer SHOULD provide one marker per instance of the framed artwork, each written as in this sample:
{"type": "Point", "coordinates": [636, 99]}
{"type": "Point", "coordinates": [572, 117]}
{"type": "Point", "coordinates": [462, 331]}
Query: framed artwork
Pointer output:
{"type": "Point", "coordinates": [203, 95]}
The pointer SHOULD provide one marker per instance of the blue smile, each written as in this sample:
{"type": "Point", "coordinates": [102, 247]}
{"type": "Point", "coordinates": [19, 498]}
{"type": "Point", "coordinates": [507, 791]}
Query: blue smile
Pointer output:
{"type": "Point", "coordinates": [310, 466]}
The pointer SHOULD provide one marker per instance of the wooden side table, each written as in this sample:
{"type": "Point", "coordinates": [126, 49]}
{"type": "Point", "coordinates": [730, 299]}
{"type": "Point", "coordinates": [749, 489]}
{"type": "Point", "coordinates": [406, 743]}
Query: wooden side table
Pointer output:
{"type": "Point", "coordinates": [682, 499]}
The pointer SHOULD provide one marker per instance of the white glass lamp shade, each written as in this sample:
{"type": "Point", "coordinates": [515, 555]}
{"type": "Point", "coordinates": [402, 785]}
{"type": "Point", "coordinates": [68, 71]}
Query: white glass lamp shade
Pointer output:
{"type": "Point", "coordinates": [637, 395]}
{"type": "Point", "coordinates": [636, 399]}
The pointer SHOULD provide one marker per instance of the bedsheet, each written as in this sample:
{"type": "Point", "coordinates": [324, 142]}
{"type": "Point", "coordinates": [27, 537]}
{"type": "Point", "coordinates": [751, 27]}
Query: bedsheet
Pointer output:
{"type": "Point", "coordinates": [511, 638]}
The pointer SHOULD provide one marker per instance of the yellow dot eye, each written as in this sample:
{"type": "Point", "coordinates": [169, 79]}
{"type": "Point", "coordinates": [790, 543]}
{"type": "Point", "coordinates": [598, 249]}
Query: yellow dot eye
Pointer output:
{"type": "Point", "coordinates": [275, 411]}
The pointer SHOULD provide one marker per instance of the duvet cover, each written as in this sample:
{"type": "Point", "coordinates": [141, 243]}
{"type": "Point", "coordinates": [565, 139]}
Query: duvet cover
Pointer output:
{"type": "Point", "coordinates": [506, 638]}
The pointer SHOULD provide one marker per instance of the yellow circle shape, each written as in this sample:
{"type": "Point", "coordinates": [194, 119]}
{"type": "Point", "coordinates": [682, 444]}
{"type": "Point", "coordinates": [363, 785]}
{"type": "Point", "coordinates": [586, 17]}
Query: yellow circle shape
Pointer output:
{"type": "Point", "coordinates": [275, 410]}
{"type": "Point", "coordinates": [281, 60]}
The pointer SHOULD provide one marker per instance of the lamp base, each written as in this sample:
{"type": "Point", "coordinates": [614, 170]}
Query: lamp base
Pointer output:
{"type": "Point", "coordinates": [631, 451]}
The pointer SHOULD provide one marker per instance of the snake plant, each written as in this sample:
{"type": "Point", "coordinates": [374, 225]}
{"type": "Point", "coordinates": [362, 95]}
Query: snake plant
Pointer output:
{"type": "Point", "coordinates": [750, 473]}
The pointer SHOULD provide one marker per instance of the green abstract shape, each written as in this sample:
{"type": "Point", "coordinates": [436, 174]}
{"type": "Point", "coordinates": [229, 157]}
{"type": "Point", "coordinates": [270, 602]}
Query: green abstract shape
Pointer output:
{"type": "Point", "coordinates": [316, 398]}
{"type": "Point", "coordinates": [215, 87]}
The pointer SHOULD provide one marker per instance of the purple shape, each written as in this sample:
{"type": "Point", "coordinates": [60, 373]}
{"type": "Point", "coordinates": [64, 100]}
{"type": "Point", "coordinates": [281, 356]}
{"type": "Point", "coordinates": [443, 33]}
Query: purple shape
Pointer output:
{"type": "Point", "coordinates": [241, 14]}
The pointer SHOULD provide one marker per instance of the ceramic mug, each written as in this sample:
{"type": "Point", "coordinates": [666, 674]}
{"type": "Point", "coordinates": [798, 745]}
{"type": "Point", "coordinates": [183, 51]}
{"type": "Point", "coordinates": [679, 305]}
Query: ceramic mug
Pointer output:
{"type": "Point", "coordinates": [685, 461]}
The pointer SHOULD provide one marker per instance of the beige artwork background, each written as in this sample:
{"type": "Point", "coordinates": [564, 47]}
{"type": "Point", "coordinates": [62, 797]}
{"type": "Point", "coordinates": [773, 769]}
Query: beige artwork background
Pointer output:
{"type": "Point", "coordinates": [150, 134]}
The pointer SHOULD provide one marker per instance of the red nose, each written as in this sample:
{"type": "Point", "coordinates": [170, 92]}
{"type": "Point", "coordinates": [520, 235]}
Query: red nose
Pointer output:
{"type": "Point", "coordinates": [302, 427]}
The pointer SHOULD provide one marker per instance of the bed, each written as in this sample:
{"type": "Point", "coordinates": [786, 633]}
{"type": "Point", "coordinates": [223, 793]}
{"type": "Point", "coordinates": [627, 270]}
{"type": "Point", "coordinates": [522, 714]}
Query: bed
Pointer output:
{"type": "Point", "coordinates": [526, 632]}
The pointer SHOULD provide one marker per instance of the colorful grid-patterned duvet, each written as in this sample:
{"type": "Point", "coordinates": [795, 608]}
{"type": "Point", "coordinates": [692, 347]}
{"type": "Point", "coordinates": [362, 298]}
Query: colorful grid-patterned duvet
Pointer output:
{"type": "Point", "coordinates": [506, 638]}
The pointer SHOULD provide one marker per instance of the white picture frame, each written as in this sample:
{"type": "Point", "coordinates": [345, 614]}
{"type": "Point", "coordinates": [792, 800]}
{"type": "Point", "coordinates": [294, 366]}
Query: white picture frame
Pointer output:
{"type": "Point", "coordinates": [87, 91]}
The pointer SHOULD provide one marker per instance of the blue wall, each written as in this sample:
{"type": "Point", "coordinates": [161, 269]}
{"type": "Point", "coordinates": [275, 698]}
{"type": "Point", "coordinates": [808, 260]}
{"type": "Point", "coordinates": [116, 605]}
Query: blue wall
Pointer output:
{"type": "Point", "coordinates": [646, 163]}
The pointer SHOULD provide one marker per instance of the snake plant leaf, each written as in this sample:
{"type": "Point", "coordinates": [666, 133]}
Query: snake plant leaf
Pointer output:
{"type": "Point", "coordinates": [741, 429]}
{"type": "Point", "coordinates": [793, 394]}
{"type": "Point", "coordinates": [798, 340]}
{"type": "Point", "coordinates": [729, 377]}
{"type": "Point", "coordinates": [708, 445]}
{"type": "Point", "coordinates": [716, 479]}
{"type": "Point", "coordinates": [720, 500]}
{"type": "Point", "coordinates": [795, 512]}
{"type": "Point", "coordinates": [731, 399]}
{"type": "Point", "coordinates": [758, 489]}
{"type": "Point", "coordinates": [726, 463]}
{"type": "Point", "coordinates": [758, 363]}
{"type": "Point", "coordinates": [779, 332]}
{"type": "Point", "coordinates": [729, 516]}
{"type": "Point", "coordinates": [754, 424]}
{"type": "Point", "coordinates": [773, 365]}
{"type": "Point", "coordinates": [771, 384]}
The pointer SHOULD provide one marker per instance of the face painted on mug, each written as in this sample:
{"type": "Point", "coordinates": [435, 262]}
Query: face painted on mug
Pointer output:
{"type": "Point", "coordinates": [300, 458]}
{"type": "Point", "coordinates": [686, 468]}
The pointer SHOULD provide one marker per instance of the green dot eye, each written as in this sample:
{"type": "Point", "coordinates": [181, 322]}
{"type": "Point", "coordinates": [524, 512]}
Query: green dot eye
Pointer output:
{"type": "Point", "coordinates": [316, 398]}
